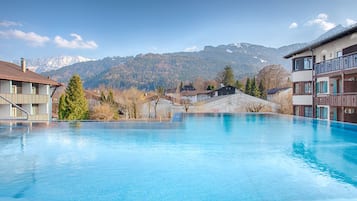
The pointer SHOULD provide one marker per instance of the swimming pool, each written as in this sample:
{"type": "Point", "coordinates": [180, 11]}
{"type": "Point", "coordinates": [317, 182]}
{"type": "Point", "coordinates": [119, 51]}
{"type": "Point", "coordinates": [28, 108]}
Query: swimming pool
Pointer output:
{"type": "Point", "coordinates": [205, 157]}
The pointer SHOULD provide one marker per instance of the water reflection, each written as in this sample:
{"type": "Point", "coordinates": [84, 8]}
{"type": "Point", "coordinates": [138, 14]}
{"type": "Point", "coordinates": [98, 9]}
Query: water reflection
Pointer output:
{"type": "Point", "coordinates": [330, 151]}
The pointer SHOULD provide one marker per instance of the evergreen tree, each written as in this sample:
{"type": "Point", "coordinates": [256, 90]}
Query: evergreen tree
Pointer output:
{"type": "Point", "coordinates": [228, 76]}
{"type": "Point", "coordinates": [103, 98]}
{"type": "Point", "coordinates": [110, 97]}
{"type": "Point", "coordinates": [238, 85]}
{"type": "Point", "coordinates": [74, 105]}
{"type": "Point", "coordinates": [62, 107]}
{"type": "Point", "coordinates": [262, 91]}
{"type": "Point", "coordinates": [254, 89]}
{"type": "Point", "coordinates": [248, 87]}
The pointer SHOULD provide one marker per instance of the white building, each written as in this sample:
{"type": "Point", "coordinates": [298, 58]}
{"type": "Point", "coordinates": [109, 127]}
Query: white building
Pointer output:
{"type": "Point", "coordinates": [25, 94]}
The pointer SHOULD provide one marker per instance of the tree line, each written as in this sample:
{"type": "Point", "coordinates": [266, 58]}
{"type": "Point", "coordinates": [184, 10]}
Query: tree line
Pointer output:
{"type": "Point", "coordinates": [74, 106]}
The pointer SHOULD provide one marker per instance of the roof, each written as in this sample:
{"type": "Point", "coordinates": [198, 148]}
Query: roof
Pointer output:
{"type": "Point", "coordinates": [276, 90]}
{"type": "Point", "coordinates": [323, 41]}
{"type": "Point", "coordinates": [10, 71]}
{"type": "Point", "coordinates": [194, 93]}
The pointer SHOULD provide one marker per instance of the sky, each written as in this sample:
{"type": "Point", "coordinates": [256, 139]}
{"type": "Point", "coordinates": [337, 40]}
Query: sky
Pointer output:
{"type": "Point", "coordinates": [101, 28]}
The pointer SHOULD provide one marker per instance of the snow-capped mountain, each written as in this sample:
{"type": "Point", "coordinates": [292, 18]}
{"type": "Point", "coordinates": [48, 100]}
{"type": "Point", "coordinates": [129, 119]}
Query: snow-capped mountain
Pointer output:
{"type": "Point", "coordinates": [40, 65]}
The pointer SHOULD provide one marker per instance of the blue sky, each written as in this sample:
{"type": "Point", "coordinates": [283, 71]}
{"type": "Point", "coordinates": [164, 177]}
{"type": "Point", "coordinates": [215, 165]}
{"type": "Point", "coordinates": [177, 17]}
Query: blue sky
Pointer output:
{"type": "Point", "coordinates": [96, 29]}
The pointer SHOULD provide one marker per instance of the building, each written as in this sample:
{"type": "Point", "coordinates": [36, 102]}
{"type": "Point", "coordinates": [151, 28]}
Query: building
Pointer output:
{"type": "Point", "coordinates": [324, 75]}
{"type": "Point", "coordinates": [277, 94]}
{"type": "Point", "coordinates": [25, 94]}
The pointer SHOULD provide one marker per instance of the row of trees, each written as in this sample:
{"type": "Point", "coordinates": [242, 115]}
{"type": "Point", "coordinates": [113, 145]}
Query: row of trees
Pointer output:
{"type": "Point", "coordinates": [251, 88]}
{"type": "Point", "coordinates": [73, 104]}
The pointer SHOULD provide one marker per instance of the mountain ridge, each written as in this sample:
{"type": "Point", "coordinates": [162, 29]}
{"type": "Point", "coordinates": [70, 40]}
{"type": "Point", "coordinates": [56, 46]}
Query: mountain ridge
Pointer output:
{"type": "Point", "coordinates": [148, 71]}
{"type": "Point", "coordinates": [40, 65]}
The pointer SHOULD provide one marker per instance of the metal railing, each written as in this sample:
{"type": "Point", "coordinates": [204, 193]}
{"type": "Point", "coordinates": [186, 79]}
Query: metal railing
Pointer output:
{"type": "Point", "coordinates": [18, 107]}
{"type": "Point", "coordinates": [337, 64]}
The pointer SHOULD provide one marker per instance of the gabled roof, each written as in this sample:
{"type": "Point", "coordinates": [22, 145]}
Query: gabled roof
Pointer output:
{"type": "Point", "coordinates": [276, 90]}
{"type": "Point", "coordinates": [10, 71]}
{"type": "Point", "coordinates": [315, 44]}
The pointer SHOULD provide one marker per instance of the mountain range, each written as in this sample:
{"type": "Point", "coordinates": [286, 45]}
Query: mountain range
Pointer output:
{"type": "Point", "coordinates": [148, 71]}
{"type": "Point", "coordinates": [41, 65]}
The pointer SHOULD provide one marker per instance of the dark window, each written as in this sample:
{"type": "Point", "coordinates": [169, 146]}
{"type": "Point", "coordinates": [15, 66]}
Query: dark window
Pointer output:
{"type": "Point", "coordinates": [303, 63]}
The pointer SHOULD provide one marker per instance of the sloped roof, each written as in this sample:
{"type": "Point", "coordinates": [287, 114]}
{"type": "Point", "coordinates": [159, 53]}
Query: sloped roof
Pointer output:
{"type": "Point", "coordinates": [10, 71]}
{"type": "Point", "coordinates": [315, 44]}
{"type": "Point", "coordinates": [276, 90]}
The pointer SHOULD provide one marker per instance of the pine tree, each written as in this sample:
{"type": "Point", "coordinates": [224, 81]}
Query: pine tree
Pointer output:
{"type": "Point", "coordinates": [74, 105]}
{"type": "Point", "coordinates": [254, 89]}
{"type": "Point", "coordinates": [228, 76]}
{"type": "Point", "coordinates": [262, 91]}
{"type": "Point", "coordinates": [248, 87]}
{"type": "Point", "coordinates": [238, 85]}
{"type": "Point", "coordinates": [62, 107]}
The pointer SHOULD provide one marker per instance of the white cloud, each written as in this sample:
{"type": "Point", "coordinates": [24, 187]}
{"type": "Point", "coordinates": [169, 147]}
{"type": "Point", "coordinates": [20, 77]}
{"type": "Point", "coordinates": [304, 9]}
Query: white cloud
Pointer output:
{"type": "Point", "coordinates": [76, 43]}
{"type": "Point", "coordinates": [293, 25]}
{"type": "Point", "coordinates": [5, 23]}
{"type": "Point", "coordinates": [322, 21]}
{"type": "Point", "coordinates": [191, 49]}
{"type": "Point", "coordinates": [31, 37]}
{"type": "Point", "coordinates": [350, 22]}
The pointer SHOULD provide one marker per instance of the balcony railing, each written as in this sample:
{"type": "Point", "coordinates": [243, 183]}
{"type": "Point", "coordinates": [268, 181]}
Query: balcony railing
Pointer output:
{"type": "Point", "coordinates": [337, 64]}
{"type": "Point", "coordinates": [25, 98]}
{"type": "Point", "coordinates": [349, 100]}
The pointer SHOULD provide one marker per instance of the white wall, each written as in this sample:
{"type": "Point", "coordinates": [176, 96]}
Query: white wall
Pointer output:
{"type": "Point", "coordinates": [44, 89]}
{"type": "Point", "coordinates": [5, 110]}
{"type": "Point", "coordinates": [330, 49]}
{"type": "Point", "coordinates": [302, 100]}
{"type": "Point", "coordinates": [5, 86]}
{"type": "Point", "coordinates": [43, 108]}
{"type": "Point", "coordinates": [302, 76]}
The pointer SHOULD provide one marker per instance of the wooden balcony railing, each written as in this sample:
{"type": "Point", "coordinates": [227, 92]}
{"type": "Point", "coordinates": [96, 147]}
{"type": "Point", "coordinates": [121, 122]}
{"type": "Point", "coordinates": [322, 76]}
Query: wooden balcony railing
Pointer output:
{"type": "Point", "coordinates": [349, 100]}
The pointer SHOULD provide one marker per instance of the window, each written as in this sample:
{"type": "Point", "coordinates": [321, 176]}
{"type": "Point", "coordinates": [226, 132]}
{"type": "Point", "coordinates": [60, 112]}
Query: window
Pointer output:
{"type": "Point", "coordinates": [307, 63]}
{"type": "Point", "coordinates": [308, 89]}
{"type": "Point", "coordinates": [339, 54]}
{"type": "Point", "coordinates": [321, 87]}
{"type": "Point", "coordinates": [350, 111]}
{"type": "Point", "coordinates": [304, 63]}
{"type": "Point", "coordinates": [321, 112]}
{"type": "Point", "coordinates": [308, 111]}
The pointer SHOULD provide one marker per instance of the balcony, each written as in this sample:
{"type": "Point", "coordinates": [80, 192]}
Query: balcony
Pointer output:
{"type": "Point", "coordinates": [345, 100]}
{"type": "Point", "coordinates": [25, 98]}
{"type": "Point", "coordinates": [341, 63]}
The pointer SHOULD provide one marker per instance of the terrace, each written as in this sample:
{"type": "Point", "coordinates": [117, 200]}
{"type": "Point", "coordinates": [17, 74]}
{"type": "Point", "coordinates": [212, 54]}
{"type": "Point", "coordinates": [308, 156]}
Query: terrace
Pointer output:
{"type": "Point", "coordinates": [337, 64]}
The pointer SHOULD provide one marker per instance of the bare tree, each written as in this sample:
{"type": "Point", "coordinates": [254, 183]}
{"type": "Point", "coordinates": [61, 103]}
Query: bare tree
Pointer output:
{"type": "Point", "coordinates": [159, 93]}
{"type": "Point", "coordinates": [274, 76]}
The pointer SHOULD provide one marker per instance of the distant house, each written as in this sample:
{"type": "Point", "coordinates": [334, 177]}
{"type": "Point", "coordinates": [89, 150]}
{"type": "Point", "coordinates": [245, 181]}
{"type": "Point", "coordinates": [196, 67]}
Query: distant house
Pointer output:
{"type": "Point", "coordinates": [25, 94]}
{"type": "Point", "coordinates": [198, 96]}
{"type": "Point", "coordinates": [187, 88]}
{"type": "Point", "coordinates": [226, 90]}
{"type": "Point", "coordinates": [276, 93]}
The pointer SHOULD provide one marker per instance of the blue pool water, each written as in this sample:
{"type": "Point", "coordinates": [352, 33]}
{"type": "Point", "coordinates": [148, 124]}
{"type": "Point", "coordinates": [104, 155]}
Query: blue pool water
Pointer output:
{"type": "Point", "coordinates": [253, 157]}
